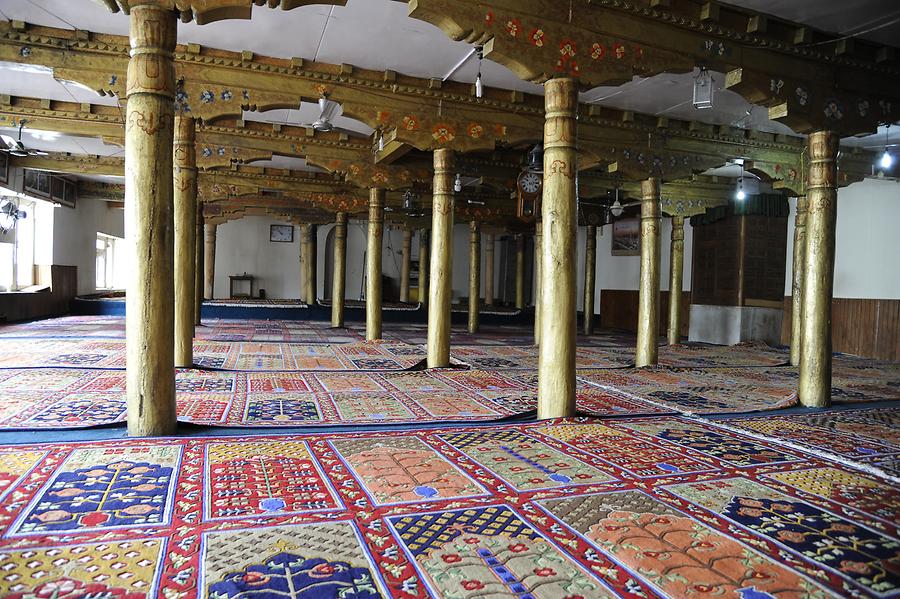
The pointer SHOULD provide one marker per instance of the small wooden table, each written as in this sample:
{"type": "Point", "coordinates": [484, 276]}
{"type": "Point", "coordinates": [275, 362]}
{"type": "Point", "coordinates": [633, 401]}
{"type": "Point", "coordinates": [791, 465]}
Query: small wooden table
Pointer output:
{"type": "Point", "coordinates": [239, 278]}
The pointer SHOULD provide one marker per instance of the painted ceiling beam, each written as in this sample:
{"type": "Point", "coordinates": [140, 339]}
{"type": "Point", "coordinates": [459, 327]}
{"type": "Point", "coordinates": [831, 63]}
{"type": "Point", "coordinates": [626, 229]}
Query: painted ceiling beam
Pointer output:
{"type": "Point", "coordinates": [811, 81]}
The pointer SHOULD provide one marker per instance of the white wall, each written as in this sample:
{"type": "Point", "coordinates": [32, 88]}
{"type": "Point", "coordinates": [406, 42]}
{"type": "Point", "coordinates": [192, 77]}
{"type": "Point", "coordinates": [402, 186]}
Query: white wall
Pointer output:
{"type": "Point", "coordinates": [867, 243]}
{"type": "Point", "coordinates": [75, 237]}
{"type": "Point", "coordinates": [624, 272]}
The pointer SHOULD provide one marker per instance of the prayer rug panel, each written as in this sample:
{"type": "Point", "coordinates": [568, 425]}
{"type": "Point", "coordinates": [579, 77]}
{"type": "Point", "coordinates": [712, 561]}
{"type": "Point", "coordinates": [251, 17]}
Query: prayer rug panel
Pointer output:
{"type": "Point", "coordinates": [853, 434]}
{"type": "Point", "coordinates": [696, 390]}
{"type": "Point", "coordinates": [863, 558]}
{"type": "Point", "coordinates": [705, 356]}
{"type": "Point", "coordinates": [621, 508]}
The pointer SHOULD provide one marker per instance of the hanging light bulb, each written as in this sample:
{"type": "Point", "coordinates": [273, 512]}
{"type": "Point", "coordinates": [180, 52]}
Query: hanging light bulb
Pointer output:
{"type": "Point", "coordinates": [617, 208]}
{"type": "Point", "coordinates": [703, 89]}
{"type": "Point", "coordinates": [886, 161]}
{"type": "Point", "coordinates": [457, 183]}
{"type": "Point", "coordinates": [479, 88]}
{"type": "Point", "coordinates": [741, 195]}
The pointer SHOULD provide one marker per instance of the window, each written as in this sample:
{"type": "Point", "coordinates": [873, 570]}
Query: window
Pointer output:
{"type": "Point", "coordinates": [108, 267]}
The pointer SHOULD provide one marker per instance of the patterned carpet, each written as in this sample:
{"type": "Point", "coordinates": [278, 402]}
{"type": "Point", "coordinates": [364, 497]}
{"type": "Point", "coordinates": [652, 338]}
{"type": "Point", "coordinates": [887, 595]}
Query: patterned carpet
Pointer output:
{"type": "Point", "coordinates": [711, 356]}
{"type": "Point", "coordinates": [697, 390]}
{"type": "Point", "coordinates": [76, 398]}
{"type": "Point", "coordinates": [645, 507]}
{"type": "Point", "coordinates": [213, 329]}
{"type": "Point", "coordinates": [869, 436]}
{"type": "Point", "coordinates": [525, 357]}
{"type": "Point", "coordinates": [221, 355]}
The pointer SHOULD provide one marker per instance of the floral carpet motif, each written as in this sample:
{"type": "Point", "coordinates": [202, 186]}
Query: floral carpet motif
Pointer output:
{"type": "Point", "coordinates": [661, 506]}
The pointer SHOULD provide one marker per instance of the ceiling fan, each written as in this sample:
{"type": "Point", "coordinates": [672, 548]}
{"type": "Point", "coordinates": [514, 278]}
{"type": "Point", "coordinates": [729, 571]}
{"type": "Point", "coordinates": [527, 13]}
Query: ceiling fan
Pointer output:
{"type": "Point", "coordinates": [15, 147]}
{"type": "Point", "coordinates": [410, 206]}
{"type": "Point", "coordinates": [328, 110]}
{"type": "Point", "coordinates": [10, 214]}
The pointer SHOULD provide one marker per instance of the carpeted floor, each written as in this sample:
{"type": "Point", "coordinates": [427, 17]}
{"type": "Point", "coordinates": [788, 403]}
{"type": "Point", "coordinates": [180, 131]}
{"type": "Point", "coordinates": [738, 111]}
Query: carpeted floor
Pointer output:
{"type": "Point", "coordinates": [661, 506]}
{"type": "Point", "coordinates": [47, 398]}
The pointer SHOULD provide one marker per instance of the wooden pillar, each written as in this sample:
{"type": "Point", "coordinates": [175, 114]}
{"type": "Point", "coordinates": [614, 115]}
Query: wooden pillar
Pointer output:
{"type": "Point", "coordinates": [489, 269]}
{"type": "Point", "coordinates": [474, 275]}
{"type": "Point", "coordinates": [307, 259]}
{"type": "Point", "coordinates": [520, 271]}
{"type": "Point", "coordinates": [440, 283]}
{"type": "Point", "coordinates": [150, 313]}
{"type": "Point", "coordinates": [185, 216]}
{"type": "Point", "coordinates": [339, 280]}
{"type": "Point", "coordinates": [209, 260]}
{"type": "Point", "coordinates": [373, 264]}
{"type": "Point", "coordinates": [198, 265]}
{"type": "Point", "coordinates": [799, 263]}
{"type": "Point", "coordinates": [675, 279]}
{"type": "Point", "coordinates": [313, 263]}
{"type": "Point", "coordinates": [590, 271]}
{"type": "Point", "coordinates": [424, 265]}
{"type": "Point", "coordinates": [559, 223]}
{"type": "Point", "coordinates": [818, 279]}
{"type": "Point", "coordinates": [404, 265]}
{"type": "Point", "coordinates": [648, 298]}
{"type": "Point", "coordinates": [538, 238]}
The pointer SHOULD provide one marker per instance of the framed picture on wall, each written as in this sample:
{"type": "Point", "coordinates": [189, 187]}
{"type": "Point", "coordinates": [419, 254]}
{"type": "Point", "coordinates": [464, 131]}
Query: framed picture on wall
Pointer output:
{"type": "Point", "coordinates": [281, 233]}
{"type": "Point", "coordinates": [626, 239]}
{"type": "Point", "coordinates": [4, 167]}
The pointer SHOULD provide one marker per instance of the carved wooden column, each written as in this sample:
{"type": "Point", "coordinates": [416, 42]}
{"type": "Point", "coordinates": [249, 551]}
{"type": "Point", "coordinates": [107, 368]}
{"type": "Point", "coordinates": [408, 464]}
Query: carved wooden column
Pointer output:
{"type": "Point", "coordinates": [474, 275]}
{"type": "Point", "coordinates": [185, 202]}
{"type": "Point", "coordinates": [590, 270]}
{"type": "Point", "coordinates": [404, 265]}
{"type": "Point", "coordinates": [538, 238]}
{"type": "Point", "coordinates": [198, 265]}
{"type": "Point", "coordinates": [520, 271]}
{"type": "Point", "coordinates": [489, 269]}
{"type": "Point", "coordinates": [424, 265]}
{"type": "Point", "coordinates": [675, 279]}
{"type": "Point", "coordinates": [209, 261]}
{"type": "Point", "coordinates": [373, 264]}
{"type": "Point", "coordinates": [441, 283]}
{"type": "Point", "coordinates": [818, 279]}
{"type": "Point", "coordinates": [340, 270]}
{"type": "Point", "coordinates": [149, 320]}
{"type": "Point", "coordinates": [648, 298]}
{"type": "Point", "coordinates": [559, 218]}
{"type": "Point", "coordinates": [798, 267]}
{"type": "Point", "coordinates": [307, 259]}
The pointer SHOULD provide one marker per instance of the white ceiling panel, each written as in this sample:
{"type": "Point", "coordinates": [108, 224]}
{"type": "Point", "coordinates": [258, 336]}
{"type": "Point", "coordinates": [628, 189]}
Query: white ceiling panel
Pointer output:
{"type": "Point", "coordinates": [51, 141]}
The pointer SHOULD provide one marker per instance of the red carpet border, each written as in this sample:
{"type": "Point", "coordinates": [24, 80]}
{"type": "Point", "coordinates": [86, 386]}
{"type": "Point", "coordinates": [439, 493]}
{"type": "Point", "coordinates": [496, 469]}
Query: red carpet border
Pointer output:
{"type": "Point", "coordinates": [662, 506]}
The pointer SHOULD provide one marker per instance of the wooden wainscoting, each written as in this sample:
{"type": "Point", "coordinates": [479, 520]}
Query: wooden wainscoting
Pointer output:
{"type": "Point", "coordinates": [619, 309]}
{"type": "Point", "coordinates": [63, 284]}
{"type": "Point", "coordinates": [863, 327]}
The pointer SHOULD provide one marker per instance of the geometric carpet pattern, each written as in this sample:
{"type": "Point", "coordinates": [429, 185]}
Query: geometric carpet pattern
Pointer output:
{"type": "Point", "coordinates": [73, 398]}
{"type": "Point", "coordinates": [219, 355]}
{"type": "Point", "coordinates": [661, 506]}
